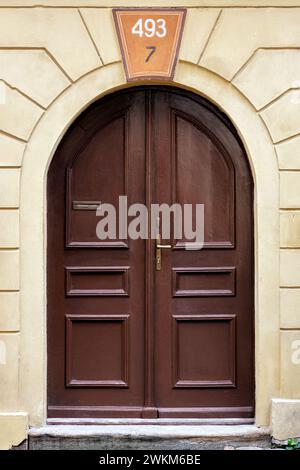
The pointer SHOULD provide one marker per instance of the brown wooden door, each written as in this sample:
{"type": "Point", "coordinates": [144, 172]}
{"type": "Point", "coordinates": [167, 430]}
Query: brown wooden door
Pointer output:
{"type": "Point", "coordinates": [125, 340]}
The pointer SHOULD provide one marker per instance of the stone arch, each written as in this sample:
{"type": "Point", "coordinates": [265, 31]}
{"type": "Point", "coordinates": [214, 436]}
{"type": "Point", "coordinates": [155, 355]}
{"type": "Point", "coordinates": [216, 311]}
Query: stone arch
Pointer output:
{"type": "Point", "coordinates": [38, 154]}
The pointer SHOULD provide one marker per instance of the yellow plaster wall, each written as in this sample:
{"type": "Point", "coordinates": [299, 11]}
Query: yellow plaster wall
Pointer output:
{"type": "Point", "coordinates": [53, 63]}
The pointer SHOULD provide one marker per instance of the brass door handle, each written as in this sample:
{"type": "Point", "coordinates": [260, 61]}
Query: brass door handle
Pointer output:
{"type": "Point", "coordinates": [158, 248]}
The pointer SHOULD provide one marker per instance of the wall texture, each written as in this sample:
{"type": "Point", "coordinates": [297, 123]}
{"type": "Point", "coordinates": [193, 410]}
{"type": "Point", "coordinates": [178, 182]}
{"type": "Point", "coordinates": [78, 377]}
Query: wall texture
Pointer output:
{"type": "Point", "coordinates": [247, 60]}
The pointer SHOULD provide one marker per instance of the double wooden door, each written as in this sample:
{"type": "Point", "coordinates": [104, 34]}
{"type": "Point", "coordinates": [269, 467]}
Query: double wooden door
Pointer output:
{"type": "Point", "coordinates": [124, 339]}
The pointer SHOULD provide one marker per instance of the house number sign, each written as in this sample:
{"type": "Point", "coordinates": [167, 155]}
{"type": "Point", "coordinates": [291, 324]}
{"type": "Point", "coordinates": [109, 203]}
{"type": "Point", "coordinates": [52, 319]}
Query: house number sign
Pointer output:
{"type": "Point", "coordinates": [149, 40]}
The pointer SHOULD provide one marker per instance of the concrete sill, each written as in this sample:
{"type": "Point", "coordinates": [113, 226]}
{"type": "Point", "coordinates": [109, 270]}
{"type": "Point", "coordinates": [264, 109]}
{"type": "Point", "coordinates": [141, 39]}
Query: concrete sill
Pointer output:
{"type": "Point", "coordinates": [177, 431]}
{"type": "Point", "coordinates": [150, 437]}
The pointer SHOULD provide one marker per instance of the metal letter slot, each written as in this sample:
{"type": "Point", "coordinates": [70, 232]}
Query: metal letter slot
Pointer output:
{"type": "Point", "coordinates": [86, 205]}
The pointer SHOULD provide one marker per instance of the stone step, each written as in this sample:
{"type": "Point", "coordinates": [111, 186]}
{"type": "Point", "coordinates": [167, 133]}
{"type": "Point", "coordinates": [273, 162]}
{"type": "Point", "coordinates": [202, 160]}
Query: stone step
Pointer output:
{"type": "Point", "coordinates": [148, 437]}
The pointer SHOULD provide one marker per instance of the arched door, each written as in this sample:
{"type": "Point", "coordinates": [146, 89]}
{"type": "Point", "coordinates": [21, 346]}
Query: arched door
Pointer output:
{"type": "Point", "coordinates": [126, 339]}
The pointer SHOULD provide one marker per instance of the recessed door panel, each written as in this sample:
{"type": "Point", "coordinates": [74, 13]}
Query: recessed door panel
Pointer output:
{"type": "Point", "coordinates": [201, 161]}
{"type": "Point", "coordinates": [87, 179]}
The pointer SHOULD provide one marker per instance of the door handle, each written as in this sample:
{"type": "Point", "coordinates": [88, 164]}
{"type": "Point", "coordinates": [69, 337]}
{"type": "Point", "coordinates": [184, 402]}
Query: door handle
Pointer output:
{"type": "Point", "coordinates": [158, 248]}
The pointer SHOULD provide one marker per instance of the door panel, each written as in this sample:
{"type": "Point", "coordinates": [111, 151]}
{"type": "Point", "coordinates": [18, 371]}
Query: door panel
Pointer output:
{"type": "Point", "coordinates": [192, 351]}
{"type": "Point", "coordinates": [126, 340]}
{"type": "Point", "coordinates": [198, 159]}
{"type": "Point", "coordinates": [88, 175]}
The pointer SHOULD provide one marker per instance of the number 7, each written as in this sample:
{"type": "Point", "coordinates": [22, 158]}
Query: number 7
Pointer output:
{"type": "Point", "coordinates": [153, 49]}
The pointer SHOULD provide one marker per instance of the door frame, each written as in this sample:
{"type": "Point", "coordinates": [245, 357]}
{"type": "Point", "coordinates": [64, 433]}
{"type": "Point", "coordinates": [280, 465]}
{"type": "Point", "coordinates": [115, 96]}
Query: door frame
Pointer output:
{"type": "Point", "coordinates": [38, 154]}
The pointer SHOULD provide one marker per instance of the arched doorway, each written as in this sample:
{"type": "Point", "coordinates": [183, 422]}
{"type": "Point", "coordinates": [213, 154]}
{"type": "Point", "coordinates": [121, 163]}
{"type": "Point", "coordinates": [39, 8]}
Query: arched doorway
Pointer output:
{"type": "Point", "coordinates": [126, 340]}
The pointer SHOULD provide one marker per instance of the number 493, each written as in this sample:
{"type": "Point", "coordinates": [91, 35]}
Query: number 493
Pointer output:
{"type": "Point", "coordinates": [150, 28]}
